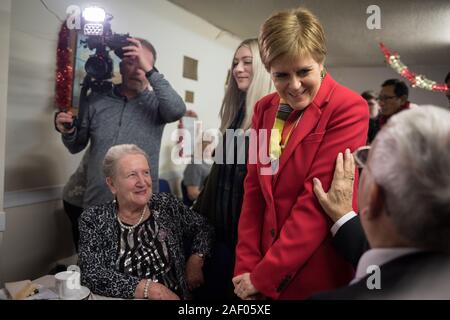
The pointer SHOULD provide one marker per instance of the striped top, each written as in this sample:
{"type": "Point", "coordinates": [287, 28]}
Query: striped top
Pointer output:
{"type": "Point", "coordinates": [143, 253]}
{"type": "Point", "coordinates": [276, 146]}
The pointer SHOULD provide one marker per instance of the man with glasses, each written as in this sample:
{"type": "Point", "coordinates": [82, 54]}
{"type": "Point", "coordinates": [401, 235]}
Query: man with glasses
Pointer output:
{"type": "Point", "coordinates": [404, 203]}
{"type": "Point", "coordinates": [393, 98]}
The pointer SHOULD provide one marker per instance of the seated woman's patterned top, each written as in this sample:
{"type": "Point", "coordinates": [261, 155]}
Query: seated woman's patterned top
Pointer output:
{"type": "Point", "coordinates": [143, 253]}
{"type": "Point", "coordinates": [181, 230]}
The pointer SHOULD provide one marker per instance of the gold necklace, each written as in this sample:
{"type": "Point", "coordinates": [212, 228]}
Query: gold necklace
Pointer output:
{"type": "Point", "coordinates": [131, 228]}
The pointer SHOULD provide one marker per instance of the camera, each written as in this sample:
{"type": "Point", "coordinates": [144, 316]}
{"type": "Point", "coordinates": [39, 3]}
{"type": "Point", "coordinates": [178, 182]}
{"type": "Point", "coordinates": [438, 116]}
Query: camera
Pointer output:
{"type": "Point", "coordinates": [99, 37]}
{"type": "Point", "coordinates": [99, 67]}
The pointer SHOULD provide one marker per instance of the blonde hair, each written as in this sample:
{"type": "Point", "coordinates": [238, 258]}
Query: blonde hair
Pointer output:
{"type": "Point", "coordinates": [260, 86]}
{"type": "Point", "coordinates": [290, 34]}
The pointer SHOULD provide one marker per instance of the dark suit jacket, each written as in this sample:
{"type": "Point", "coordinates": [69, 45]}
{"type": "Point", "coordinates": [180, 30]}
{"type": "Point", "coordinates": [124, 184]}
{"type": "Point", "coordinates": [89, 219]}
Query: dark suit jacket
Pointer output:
{"type": "Point", "coordinates": [423, 275]}
{"type": "Point", "coordinates": [350, 241]}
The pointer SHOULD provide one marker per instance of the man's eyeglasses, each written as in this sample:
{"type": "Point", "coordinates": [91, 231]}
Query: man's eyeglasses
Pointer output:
{"type": "Point", "coordinates": [361, 155]}
{"type": "Point", "coordinates": [384, 98]}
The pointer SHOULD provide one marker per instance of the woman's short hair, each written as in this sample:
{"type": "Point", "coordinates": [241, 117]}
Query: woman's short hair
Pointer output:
{"type": "Point", "coordinates": [410, 162]}
{"type": "Point", "coordinates": [115, 153]}
{"type": "Point", "coordinates": [291, 34]}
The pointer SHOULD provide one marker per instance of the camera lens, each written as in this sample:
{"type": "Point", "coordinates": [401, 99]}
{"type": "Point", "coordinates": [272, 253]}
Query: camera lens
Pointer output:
{"type": "Point", "coordinates": [97, 67]}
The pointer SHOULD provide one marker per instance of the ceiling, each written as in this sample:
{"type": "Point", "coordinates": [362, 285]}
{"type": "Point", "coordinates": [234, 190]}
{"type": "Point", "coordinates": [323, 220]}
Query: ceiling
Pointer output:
{"type": "Point", "coordinates": [418, 30]}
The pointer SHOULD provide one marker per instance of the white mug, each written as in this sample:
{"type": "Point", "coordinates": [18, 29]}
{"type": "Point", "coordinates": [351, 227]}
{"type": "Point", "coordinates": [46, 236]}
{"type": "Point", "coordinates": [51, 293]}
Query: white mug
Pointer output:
{"type": "Point", "coordinates": [67, 284]}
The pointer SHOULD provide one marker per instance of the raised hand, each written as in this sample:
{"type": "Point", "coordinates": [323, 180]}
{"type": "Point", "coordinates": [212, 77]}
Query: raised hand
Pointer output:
{"type": "Point", "coordinates": [137, 51]}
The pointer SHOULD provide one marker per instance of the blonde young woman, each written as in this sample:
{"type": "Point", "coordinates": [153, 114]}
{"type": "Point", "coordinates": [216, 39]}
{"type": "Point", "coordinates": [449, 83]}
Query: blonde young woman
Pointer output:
{"type": "Point", "coordinates": [221, 198]}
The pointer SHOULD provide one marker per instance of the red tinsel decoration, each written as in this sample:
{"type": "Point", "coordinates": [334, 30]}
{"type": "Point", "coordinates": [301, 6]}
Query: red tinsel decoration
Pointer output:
{"type": "Point", "coordinates": [416, 80]}
{"type": "Point", "coordinates": [64, 70]}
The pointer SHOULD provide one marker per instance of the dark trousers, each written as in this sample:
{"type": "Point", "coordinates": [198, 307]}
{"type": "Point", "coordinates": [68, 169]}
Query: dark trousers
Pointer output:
{"type": "Point", "coordinates": [73, 212]}
{"type": "Point", "coordinates": [218, 274]}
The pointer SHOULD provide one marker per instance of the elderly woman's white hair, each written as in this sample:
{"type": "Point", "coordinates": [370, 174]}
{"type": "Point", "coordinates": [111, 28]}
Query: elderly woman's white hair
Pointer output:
{"type": "Point", "coordinates": [115, 153]}
{"type": "Point", "coordinates": [411, 163]}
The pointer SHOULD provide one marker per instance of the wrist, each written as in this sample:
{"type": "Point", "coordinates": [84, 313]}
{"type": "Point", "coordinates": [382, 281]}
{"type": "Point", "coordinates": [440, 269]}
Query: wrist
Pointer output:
{"type": "Point", "coordinates": [146, 286]}
{"type": "Point", "coordinates": [150, 72]}
{"type": "Point", "coordinates": [198, 258]}
{"type": "Point", "coordinates": [199, 255]}
{"type": "Point", "coordinates": [148, 283]}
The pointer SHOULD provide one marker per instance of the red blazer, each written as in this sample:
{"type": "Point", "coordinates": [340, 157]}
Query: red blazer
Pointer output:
{"type": "Point", "coordinates": [284, 235]}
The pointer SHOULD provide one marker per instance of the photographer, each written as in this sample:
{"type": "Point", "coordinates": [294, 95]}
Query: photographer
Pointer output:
{"type": "Point", "coordinates": [130, 113]}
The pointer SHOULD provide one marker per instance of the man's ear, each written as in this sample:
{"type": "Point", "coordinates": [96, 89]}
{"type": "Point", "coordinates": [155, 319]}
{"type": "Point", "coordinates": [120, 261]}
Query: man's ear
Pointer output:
{"type": "Point", "coordinates": [403, 99]}
{"type": "Point", "coordinates": [377, 201]}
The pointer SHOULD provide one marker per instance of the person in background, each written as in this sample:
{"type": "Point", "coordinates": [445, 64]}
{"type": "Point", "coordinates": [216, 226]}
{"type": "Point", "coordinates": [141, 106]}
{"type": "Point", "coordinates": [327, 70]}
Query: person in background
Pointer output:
{"type": "Point", "coordinates": [404, 202]}
{"type": "Point", "coordinates": [374, 110]}
{"type": "Point", "coordinates": [129, 113]}
{"type": "Point", "coordinates": [194, 177]}
{"type": "Point", "coordinates": [393, 98]}
{"type": "Point", "coordinates": [221, 198]}
{"type": "Point", "coordinates": [194, 174]}
{"type": "Point", "coordinates": [134, 246]}
{"type": "Point", "coordinates": [447, 93]}
{"type": "Point", "coordinates": [284, 250]}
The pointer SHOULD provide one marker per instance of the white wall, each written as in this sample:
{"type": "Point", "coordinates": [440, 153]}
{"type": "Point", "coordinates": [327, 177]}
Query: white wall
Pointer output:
{"type": "Point", "coordinates": [35, 159]}
{"type": "Point", "coordinates": [36, 237]}
{"type": "Point", "coordinates": [35, 155]}
{"type": "Point", "coordinates": [5, 13]}
{"type": "Point", "coordinates": [361, 79]}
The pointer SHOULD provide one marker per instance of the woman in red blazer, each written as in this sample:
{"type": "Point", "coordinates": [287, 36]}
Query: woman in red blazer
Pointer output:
{"type": "Point", "coordinates": [284, 249]}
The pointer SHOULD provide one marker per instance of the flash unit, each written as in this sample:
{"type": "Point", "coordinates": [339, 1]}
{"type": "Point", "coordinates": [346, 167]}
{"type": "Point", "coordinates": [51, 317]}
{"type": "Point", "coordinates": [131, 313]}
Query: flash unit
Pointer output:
{"type": "Point", "coordinates": [94, 18]}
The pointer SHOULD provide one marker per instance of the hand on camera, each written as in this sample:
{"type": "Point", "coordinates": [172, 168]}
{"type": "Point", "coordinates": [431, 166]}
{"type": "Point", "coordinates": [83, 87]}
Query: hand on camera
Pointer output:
{"type": "Point", "coordinates": [137, 51]}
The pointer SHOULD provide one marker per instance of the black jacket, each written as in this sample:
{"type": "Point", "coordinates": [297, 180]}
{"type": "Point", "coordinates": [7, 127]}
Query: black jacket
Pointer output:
{"type": "Point", "coordinates": [350, 241]}
{"type": "Point", "coordinates": [423, 275]}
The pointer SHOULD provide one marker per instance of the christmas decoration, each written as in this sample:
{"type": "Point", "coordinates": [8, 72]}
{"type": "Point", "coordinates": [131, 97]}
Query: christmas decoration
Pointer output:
{"type": "Point", "coordinates": [64, 70]}
{"type": "Point", "coordinates": [416, 80]}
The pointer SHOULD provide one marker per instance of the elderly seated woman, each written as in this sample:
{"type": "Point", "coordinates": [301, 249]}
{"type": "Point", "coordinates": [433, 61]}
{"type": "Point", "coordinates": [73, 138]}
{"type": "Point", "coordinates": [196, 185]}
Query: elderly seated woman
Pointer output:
{"type": "Point", "coordinates": [133, 247]}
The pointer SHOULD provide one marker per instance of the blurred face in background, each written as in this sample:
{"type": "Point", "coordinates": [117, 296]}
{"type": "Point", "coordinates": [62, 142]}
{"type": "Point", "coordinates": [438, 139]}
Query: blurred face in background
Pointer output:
{"type": "Point", "coordinates": [374, 107]}
{"type": "Point", "coordinates": [242, 68]}
{"type": "Point", "coordinates": [389, 102]}
{"type": "Point", "coordinates": [447, 93]}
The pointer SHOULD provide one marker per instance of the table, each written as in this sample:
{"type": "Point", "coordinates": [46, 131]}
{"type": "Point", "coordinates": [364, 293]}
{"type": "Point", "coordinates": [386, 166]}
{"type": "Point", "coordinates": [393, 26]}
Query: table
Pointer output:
{"type": "Point", "coordinates": [48, 281]}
